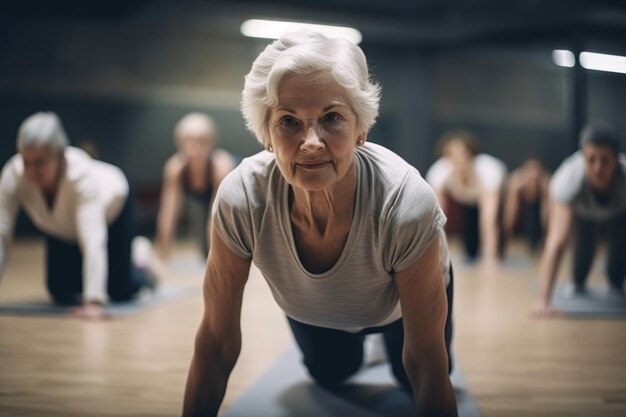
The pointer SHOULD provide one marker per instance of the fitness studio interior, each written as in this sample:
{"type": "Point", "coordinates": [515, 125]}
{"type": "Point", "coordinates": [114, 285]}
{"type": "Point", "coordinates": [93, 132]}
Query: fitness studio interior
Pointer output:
{"type": "Point", "coordinates": [312, 209]}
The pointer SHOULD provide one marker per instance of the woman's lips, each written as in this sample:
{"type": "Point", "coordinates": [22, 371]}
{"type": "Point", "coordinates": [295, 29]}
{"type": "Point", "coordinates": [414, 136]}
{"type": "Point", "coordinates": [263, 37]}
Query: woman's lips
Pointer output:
{"type": "Point", "coordinates": [313, 165]}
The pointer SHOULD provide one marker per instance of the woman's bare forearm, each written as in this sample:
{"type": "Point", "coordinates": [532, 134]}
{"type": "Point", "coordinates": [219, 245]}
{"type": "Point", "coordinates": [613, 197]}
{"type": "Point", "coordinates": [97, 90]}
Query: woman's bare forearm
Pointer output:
{"type": "Point", "coordinates": [208, 376]}
{"type": "Point", "coordinates": [432, 390]}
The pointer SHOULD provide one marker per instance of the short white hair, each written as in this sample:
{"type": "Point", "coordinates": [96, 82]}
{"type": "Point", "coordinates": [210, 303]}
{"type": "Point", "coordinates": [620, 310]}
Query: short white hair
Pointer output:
{"type": "Point", "coordinates": [306, 52]}
{"type": "Point", "coordinates": [42, 129]}
{"type": "Point", "coordinates": [200, 125]}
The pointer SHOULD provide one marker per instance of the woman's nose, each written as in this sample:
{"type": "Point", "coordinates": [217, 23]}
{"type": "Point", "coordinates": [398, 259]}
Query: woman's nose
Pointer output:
{"type": "Point", "coordinates": [312, 140]}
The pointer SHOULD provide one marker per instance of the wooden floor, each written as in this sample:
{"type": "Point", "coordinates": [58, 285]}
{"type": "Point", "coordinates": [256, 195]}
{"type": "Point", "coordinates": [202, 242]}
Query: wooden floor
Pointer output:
{"type": "Point", "coordinates": [137, 366]}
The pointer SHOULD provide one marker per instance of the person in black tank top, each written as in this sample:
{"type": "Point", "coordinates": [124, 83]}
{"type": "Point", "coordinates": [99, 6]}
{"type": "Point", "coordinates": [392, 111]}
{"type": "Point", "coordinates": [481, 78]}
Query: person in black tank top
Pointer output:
{"type": "Point", "coordinates": [202, 196]}
{"type": "Point", "coordinates": [195, 171]}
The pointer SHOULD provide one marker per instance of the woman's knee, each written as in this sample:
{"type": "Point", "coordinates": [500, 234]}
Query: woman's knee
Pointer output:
{"type": "Point", "coordinates": [331, 374]}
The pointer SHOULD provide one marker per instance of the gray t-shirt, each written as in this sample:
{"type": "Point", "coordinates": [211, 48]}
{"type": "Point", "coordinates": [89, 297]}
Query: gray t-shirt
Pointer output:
{"type": "Point", "coordinates": [396, 217]}
{"type": "Point", "coordinates": [569, 186]}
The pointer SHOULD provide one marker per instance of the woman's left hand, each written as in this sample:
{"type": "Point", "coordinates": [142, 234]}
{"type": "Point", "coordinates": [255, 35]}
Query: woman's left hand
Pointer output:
{"type": "Point", "coordinates": [90, 311]}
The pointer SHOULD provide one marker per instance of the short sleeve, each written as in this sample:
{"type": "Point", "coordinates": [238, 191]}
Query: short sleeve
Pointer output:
{"type": "Point", "coordinates": [567, 179]}
{"type": "Point", "coordinates": [231, 215]}
{"type": "Point", "coordinates": [491, 172]}
{"type": "Point", "coordinates": [413, 220]}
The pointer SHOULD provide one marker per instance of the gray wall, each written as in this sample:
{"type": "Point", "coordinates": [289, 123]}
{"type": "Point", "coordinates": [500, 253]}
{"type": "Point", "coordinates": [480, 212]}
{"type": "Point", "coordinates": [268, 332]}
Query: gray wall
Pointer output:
{"type": "Point", "coordinates": [125, 86]}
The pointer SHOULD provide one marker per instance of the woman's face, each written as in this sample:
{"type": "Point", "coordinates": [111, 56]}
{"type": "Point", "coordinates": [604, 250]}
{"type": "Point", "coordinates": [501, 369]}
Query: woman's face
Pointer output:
{"type": "Point", "coordinates": [461, 157]}
{"type": "Point", "coordinates": [312, 131]}
{"type": "Point", "coordinates": [196, 146]}
{"type": "Point", "coordinates": [41, 166]}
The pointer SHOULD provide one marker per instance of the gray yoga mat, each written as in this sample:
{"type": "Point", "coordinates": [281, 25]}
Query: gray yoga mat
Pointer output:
{"type": "Point", "coordinates": [163, 294]}
{"type": "Point", "coordinates": [517, 262]}
{"type": "Point", "coordinates": [595, 304]}
{"type": "Point", "coordinates": [285, 390]}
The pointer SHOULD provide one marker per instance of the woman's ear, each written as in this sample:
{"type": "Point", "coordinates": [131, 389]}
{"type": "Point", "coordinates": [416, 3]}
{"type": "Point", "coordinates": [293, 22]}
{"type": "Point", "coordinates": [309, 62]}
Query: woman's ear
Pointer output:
{"type": "Point", "coordinates": [361, 139]}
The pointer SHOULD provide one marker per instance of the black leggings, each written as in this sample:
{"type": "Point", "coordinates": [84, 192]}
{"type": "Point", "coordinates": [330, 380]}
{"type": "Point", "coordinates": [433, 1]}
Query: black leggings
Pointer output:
{"type": "Point", "coordinates": [470, 230]}
{"type": "Point", "coordinates": [64, 264]}
{"type": "Point", "coordinates": [533, 229]}
{"type": "Point", "coordinates": [586, 236]}
{"type": "Point", "coordinates": [332, 356]}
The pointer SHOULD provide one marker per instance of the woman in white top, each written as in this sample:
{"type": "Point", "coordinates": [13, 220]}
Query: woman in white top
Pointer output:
{"type": "Point", "coordinates": [347, 234]}
{"type": "Point", "coordinates": [474, 182]}
{"type": "Point", "coordinates": [82, 207]}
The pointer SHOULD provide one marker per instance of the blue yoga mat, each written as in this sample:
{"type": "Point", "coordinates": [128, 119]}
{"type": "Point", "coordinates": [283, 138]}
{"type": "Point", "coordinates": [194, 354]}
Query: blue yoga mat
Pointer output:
{"type": "Point", "coordinates": [163, 294]}
{"type": "Point", "coordinates": [285, 390]}
{"type": "Point", "coordinates": [594, 304]}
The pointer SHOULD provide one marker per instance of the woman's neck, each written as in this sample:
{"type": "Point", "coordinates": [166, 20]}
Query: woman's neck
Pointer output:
{"type": "Point", "coordinates": [322, 210]}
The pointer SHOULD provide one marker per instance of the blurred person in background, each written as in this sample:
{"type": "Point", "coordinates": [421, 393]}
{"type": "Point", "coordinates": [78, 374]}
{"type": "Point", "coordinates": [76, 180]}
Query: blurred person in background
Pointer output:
{"type": "Point", "coordinates": [84, 210]}
{"type": "Point", "coordinates": [474, 182]}
{"type": "Point", "coordinates": [526, 204]}
{"type": "Point", "coordinates": [588, 201]}
{"type": "Point", "coordinates": [194, 171]}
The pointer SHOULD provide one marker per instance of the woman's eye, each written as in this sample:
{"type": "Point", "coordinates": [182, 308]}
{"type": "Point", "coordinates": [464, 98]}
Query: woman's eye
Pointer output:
{"type": "Point", "coordinates": [331, 118]}
{"type": "Point", "coordinates": [288, 121]}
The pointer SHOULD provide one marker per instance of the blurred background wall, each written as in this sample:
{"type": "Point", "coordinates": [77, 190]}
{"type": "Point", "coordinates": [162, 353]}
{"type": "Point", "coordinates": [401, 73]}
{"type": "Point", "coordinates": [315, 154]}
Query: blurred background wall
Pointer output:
{"type": "Point", "coordinates": [120, 74]}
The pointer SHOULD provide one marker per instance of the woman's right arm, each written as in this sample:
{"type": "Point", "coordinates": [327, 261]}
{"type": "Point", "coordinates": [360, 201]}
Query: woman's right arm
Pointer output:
{"type": "Point", "coordinates": [561, 216]}
{"type": "Point", "coordinates": [545, 198]}
{"type": "Point", "coordinates": [169, 207]}
{"type": "Point", "coordinates": [218, 341]}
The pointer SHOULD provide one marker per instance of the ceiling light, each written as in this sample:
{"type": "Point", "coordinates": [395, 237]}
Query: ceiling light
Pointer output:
{"type": "Point", "coordinates": [563, 58]}
{"type": "Point", "coordinates": [590, 60]}
{"type": "Point", "coordinates": [274, 29]}
{"type": "Point", "coordinates": [603, 62]}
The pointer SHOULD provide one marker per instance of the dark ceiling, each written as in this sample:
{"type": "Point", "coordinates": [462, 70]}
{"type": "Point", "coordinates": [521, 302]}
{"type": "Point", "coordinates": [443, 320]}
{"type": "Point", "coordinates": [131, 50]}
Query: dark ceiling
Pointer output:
{"type": "Point", "coordinates": [425, 23]}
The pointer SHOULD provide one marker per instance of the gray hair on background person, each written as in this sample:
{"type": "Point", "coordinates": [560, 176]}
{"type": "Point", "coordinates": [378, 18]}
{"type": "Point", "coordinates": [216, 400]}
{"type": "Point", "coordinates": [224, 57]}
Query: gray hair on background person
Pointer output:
{"type": "Point", "coordinates": [42, 129]}
{"type": "Point", "coordinates": [197, 125]}
{"type": "Point", "coordinates": [308, 51]}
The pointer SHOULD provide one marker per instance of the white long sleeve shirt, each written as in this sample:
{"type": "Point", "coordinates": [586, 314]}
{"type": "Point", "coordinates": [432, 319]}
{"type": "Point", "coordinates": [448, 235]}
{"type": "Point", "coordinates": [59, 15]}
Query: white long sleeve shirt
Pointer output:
{"type": "Point", "coordinates": [90, 197]}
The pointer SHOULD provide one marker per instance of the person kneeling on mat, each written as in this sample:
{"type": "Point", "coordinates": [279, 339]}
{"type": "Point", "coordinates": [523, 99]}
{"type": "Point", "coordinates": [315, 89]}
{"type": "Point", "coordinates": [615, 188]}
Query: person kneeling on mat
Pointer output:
{"type": "Point", "coordinates": [473, 182]}
{"type": "Point", "coordinates": [83, 208]}
{"type": "Point", "coordinates": [347, 234]}
{"type": "Point", "coordinates": [588, 194]}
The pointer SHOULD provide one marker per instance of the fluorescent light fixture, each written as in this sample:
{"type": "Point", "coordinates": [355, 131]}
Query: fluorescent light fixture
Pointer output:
{"type": "Point", "coordinates": [274, 29]}
{"type": "Point", "coordinates": [590, 60]}
{"type": "Point", "coordinates": [603, 62]}
{"type": "Point", "coordinates": [563, 58]}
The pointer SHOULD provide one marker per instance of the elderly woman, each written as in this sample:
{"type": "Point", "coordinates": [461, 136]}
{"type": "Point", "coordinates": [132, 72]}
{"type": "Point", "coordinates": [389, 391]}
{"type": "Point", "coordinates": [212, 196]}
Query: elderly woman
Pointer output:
{"type": "Point", "coordinates": [346, 233]}
{"type": "Point", "coordinates": [196, 171]}
{"type": "Point", "coordinates": [82, 207]}
{"type": "Point", "coordinates": [474, 182]}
